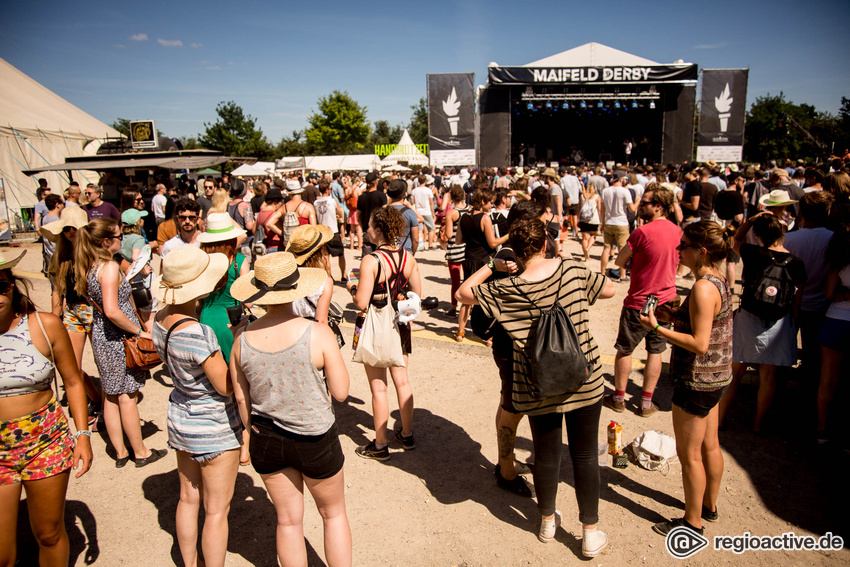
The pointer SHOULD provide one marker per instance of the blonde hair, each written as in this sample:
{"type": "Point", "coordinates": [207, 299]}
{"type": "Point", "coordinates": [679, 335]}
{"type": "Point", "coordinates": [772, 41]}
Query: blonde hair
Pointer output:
{"type": "Point", "coordinates": [220, 200]}
{"type": "Point", "coordinates": [89, 250]}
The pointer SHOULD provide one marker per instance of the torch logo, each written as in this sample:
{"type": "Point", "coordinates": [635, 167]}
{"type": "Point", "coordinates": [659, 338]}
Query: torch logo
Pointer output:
{"type": "Point", "coordinates": [451, 106]}
{"type": "Point", "coordinates": [723, 104]}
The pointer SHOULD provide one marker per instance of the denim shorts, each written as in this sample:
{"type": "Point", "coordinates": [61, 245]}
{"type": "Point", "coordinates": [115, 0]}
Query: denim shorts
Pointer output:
{"type": "Point", "coordinates": [273, 449]}
{"type": "Point", "coordinates": [696, 402]}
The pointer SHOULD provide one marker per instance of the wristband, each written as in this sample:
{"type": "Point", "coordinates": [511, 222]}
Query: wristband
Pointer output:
{"type": "Point", "coordinates": [655, 328]}
{"type": "Point", "coordinates": [139, 333]}
{"type": "Point", "coordinates": [85, 432]}
{"type": "Point", "coordinates": [492, 265]}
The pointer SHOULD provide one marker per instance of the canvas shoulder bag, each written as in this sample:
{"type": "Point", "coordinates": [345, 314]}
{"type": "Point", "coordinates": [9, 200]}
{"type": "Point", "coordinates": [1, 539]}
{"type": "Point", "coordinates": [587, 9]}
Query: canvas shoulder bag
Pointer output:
{"type": "Point", "coordinates": [379, 344]}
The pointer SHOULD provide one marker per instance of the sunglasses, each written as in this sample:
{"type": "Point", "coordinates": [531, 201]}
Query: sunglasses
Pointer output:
{"type": "Point", "coordinates": [67, 229]}
{"type": "Point", "coordinates": [5, 286]}
{"type": "Point", "coordinates": [187, 218]}
{"type": "Point", "coordinates": [139, 200]}
{"type": "Point", "coordinates": [685, 246]}
{"type": "Point", "coordinates": [119, 237]}
{"type": "Point", "coordinates": [208, 186]}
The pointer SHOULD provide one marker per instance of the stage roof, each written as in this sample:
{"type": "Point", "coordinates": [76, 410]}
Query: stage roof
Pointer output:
{"type": "Point", "coordinates": [592, 55]}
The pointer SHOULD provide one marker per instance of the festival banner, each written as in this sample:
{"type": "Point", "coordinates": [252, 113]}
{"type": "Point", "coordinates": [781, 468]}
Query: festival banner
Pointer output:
{"type": "Point", "coordinates": [451, 118]}
{"type": "Point", "coordinates": [723, 107]}
{"type": "Point", "coordinates": [592, 75]}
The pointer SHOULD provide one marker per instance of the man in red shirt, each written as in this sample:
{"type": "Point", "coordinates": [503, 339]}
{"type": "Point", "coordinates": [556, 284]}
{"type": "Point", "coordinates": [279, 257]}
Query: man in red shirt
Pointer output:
{"type": "Point", "coordinates": [652, 249]}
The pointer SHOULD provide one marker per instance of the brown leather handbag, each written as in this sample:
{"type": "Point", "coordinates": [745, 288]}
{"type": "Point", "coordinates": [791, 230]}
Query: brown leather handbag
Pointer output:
{"type": "Point", "coordinates": [139, 352]}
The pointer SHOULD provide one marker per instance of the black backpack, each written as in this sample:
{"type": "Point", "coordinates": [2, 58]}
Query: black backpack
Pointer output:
{"type": "Point", "coordinates": [558, 364]}
{"type": "Point", "coordinates": [772, 293]}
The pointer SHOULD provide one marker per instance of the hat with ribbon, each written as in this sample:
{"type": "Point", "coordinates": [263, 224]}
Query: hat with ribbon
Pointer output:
{"type": "Point", "coordinates": [306, 239]}
{"type": "Point", "coordinates": [277, 279]}
{"type": "Point", "coordinates": [219, 228]}
{"type": "Point", "coordinates": [188, 273]}
{"type": "Point", "coordinates": [7, 262]}
{"type": "Point", "coordinates": [74, 217]}
{"type": "Point", "coordinates": [776, 198]}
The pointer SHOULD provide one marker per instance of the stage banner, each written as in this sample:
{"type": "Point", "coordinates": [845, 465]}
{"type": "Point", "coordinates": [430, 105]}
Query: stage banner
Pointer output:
{"type": "Point", "coordinates": [722, 109]}
{"type": "Point", "coordinates": [592, 75]}
{"type": "Point", "coordinates": [451, 118]}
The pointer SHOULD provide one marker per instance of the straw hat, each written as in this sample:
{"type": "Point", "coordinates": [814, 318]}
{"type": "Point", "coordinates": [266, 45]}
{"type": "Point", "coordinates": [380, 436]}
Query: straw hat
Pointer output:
{"type": "Point", "coordinates": [7, 262]}
{"type": "Point", "coordinates": [776, 198]}
{"type": "Point", "coordinates": [306, 239]}
{"type": "Point", "coordinates": [277, 279]}
{"type": "Point", "coordinates": [220, 227]}
{"type": "Point", "coordinates": [550, 173]}
{"type": "Point", "coordinates": [188, 273]}
{"type": "Point", "coordinates": [74, 217]}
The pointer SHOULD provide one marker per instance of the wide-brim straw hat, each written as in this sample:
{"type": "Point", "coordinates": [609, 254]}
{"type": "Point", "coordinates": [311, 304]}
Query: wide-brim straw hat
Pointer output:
{"type": "Point", "coordinates": [307, 239]}
{"type": "Point", "coordinates": [75, 217]}
{"type": "Point", "coordinates": [219, 228]}
{"type": "Point", "coordinates": [551, 173]}
{"type": "Point", "coordinates": [7, 262]}
{"type": "Point", "coordinates": [277, 279]}
{"type": "Point", "coordinates": [188, 273]}
{"type": "Point", "coordinates": [776, 198]}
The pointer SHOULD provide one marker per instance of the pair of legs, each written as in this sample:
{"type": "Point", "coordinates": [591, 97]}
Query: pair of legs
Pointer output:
{"type": "Point", "coordinates": [698, 449]}
{"type": "Point", "coordinates": [46, 505]}
{"type": "Point", "coordinates": [587, 240]}
{"type": "Point", "coordinates": [506, 426]}
{"type": "Point", "coordinates": [582, 433]}
{"type": "Point", "coordinates": [455, 275]}
{"type": "Point", "coordinates": [623, 368]}
{"type": "Point", "coordinates": [380, 405]}
{"type": "Point", "coordinates": [286, 490]}
{"type": "Point", "coordinates": [355, 231]}
{"type": "Point", "coordinates": [830, 372]}
{"type": "Point", "coordinates": [78, 343]}
{"type": "Point", "coordinates": [213, 482]}
{"type": "Point", "coordinates": [767, 389]}
{"type": "Point", "coordinates": [121, 413]}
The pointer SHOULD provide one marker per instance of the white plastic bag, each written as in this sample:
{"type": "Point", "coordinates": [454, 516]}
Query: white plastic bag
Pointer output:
{"type": "Point", "coordinates": [653, 451]}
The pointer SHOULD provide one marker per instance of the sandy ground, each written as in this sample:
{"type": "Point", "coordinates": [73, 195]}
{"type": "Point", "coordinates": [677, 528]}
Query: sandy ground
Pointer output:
{"type": "Point", "coordinates": [439, 504]}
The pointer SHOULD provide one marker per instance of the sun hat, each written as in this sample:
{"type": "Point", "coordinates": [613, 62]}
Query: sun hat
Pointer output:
{"type": "Point", "coordinates": [429, 180]}
{"type": "Point", "coordinates": [776, 198]}
{"type": "Point", "coordinates": [132, 216]}
{"type": "Point", "coordinates": [220, 227]}
{"type": "Point", "coordinates": [188, 273]}
{"type": "Point", "coordinates": [532, 172]}
{"type": "Point", "coordinates": [551, 173]}
{"type": "Point", "coordinates": [6, 262]}
{"type": "Point", "coordinates": [306, 239]}
{"type": "Point", "coordinates": [273, 194]}
{"type": "Point", "coordinates": [778, 172]}
{"type": "Point", "coordinates": [75, 217]}
{"type": "Point", "coordinates": [277, 279]}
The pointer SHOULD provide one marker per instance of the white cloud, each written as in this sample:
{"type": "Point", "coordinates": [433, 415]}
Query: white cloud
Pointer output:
{"type": "Point", "coordinates": [197, 45]}
{"type": "Point", "coordinates": [139, 37]}
{"type": "Point", "coordinates": [710, 45]}
{"type": "Point", "coordinates": [170, 42]}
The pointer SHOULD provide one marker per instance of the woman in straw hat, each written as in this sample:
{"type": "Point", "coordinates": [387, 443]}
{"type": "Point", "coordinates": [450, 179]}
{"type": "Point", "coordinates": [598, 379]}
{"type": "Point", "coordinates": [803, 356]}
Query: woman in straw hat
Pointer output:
{"type": "Point", "coordinates": [203, 421]}
{"type": "Point", "coordinates": [221, 237]}
{"type": "Point", "coordinates": [308, 244]}
{"type": "Point", "coordinates": [114, 318]}
{"type": "Point", "coordinates": [285, 401]}
{"type": "Point", "coordinates": [70, 306]}
{"type": "Point", "coordinates": [384, 275]}
{"type": "Point", "coordinates": [37, 449]}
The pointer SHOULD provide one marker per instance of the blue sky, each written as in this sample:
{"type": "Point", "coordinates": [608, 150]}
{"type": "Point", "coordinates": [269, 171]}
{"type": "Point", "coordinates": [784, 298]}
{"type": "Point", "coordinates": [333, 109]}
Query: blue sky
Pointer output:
{"type": "Point", "coordinates": [174, 61]}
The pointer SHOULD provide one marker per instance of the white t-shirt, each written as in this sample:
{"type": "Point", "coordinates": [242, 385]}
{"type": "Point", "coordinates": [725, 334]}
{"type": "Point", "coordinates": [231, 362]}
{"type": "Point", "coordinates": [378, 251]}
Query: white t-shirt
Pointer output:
{"type": "Point", "coordinates": [615, 200]}
{"type": "Point", "coordinates": [841, 309]}
{"type": "Point", "coordinates": [326, 212]}
{"type": "Point", "coordinates": [158, 205]}
{"type": "Point", "coordinates": [174, 244]}
{"type": "Point", "coordinates": [421, 199]}
{"type": "Point", "coordinates": [572, 186]}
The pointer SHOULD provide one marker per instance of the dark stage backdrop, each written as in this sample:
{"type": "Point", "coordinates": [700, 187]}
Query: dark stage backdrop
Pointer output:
{"type": "Point", "coordinates": [451, 118]}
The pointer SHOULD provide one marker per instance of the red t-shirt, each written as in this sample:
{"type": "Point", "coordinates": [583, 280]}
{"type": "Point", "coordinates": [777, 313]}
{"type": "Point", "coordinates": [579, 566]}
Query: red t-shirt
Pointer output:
{"type": "Point", "coordinates": [654, 262]}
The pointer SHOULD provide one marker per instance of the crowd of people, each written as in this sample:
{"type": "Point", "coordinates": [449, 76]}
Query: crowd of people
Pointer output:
{"type": "Point", "coordinates": [258, 392]}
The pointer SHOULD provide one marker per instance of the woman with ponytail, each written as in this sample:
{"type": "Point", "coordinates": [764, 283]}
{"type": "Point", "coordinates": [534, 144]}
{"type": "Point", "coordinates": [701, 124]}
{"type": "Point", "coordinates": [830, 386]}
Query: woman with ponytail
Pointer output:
{"type": "Point", "coordinates": [99, 277]}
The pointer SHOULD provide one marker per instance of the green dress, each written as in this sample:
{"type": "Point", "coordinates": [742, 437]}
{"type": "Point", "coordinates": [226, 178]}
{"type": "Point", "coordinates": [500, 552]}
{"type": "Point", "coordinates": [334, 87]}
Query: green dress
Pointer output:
{"type": "Point", "coordinates": [214, 309]}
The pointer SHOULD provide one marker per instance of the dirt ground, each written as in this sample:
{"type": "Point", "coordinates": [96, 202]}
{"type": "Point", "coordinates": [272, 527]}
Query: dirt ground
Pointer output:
{"type": "Point", "coordinates": [439, 504]}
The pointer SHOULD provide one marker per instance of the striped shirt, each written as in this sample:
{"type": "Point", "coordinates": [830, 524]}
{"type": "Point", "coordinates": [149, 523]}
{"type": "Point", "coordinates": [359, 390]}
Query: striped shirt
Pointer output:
{"type": "Point", "coordinates": [200, 420]}
{"type": "Point", "coordinates": [575, 288]}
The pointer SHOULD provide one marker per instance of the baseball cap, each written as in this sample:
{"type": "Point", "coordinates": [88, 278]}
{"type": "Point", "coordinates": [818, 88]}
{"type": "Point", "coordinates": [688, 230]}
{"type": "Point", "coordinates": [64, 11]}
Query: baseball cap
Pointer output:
{"type": "Point", "coordinates": [132, 216]}
{"type": "Point", "coordinates": [619, 174]}
{"type": "Point", "coordinates": [371, 177]}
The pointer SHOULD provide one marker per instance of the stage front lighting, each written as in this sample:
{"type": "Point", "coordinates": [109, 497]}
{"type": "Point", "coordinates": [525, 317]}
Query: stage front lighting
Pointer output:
{"type": "Point", "coordinates": [599, 104]}
{"type": "Point", "coordinates": [652, 104]}
{"type": "Point", "coordinates": [530, 106]}
{"type": "Point", "coordinates": [634, 104]}
{"type": "Point", "coordinates": [548, 105]}
{"type": "Point", "coordinates": [617, 105]}
{"type": "Point", "coordinates": [583, 104]}
{"type": "Point", "coordinates": [565, 106]}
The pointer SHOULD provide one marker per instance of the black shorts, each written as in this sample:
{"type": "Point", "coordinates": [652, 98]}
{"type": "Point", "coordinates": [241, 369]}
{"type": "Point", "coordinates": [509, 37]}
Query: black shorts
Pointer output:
{"type": "Point", "coordinates": [335, 247]}
{"type": "Point", "coordinates": [632, 333]}
{"type": "Point", "coordinates": [696, 402]}
{"type": "Point", "coordinates": [406, 342]}
{"type": "Point", "coordinates": [572, 210]}
{"type": "Point", "coordinates": [273, 449]}
{"type": "Point", "coordinates": [587, 227]}
{"type": "Point", "coordinates": [504, 359]}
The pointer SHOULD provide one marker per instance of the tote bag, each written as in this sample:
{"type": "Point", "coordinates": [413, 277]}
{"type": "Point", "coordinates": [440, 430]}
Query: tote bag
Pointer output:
{"type": "Point", "coordinates": [379, 344]}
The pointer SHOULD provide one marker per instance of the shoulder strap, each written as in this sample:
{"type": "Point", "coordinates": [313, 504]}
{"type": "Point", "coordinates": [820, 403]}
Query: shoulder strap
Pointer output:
{"type": "Point", "coordinates": [168, 336]}
{"type": "Point", "coordinates": [50, 347]}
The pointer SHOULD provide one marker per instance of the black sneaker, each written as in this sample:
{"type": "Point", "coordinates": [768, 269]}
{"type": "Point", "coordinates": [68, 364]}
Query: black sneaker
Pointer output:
{"type": "Point", "coordinates": [517, 485]}
{"type": "Point", "coordinates": [708, 515]}
{"type": "Point", "coordinates": [371, 451]}
{"type": "Point", "coordinates": [407, 443]}
{"type": "Point", "coordinates": [664, 528]}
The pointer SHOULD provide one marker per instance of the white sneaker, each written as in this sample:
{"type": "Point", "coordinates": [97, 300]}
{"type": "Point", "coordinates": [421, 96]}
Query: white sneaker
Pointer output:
{"type": "Point", "coordinates": [593, 542]}
{"type": "Point", "coordinates": [549, 527]}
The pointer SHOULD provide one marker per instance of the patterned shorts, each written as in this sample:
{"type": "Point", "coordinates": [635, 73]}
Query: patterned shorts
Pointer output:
{"type": "Point", "coordinates": [35, 446]}
{"type": "Point", "coordinates": [77, 318]}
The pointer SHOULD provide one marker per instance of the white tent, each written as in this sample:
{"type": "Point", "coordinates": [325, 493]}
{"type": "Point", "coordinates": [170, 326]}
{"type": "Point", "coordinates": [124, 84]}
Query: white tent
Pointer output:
{"type": "Point", "coordinates": [407, 151]}
{"type": "Point", "coordinates": [591, 55]}
{"type": "Point", "coordinates": [259, 169]}
{"type": "Point", "coordinates": [37, 128]}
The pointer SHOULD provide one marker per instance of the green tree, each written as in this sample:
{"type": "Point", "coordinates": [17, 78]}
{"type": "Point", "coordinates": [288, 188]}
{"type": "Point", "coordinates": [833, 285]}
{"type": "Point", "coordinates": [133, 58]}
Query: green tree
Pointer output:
{"type": "Point", "coordinates": [843, 123]}
{"type": "Point", "coordinates": [338, 127]}
{"type": "Point", "coordinates": [383, 133]}
{"type": "Point", "coordinates": [235, 133]}
{"type": "Point", "coordinates": [190, 143]}
{"type": "Point", "coordinates": [292, 145]}
{"type": "Point", "coordinates": [418, 127]}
